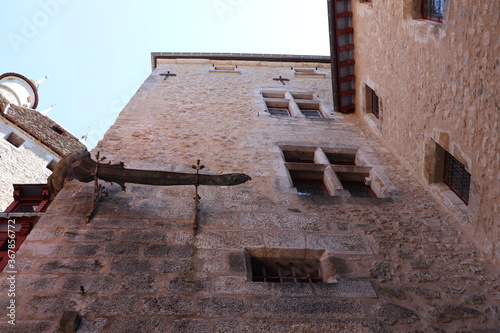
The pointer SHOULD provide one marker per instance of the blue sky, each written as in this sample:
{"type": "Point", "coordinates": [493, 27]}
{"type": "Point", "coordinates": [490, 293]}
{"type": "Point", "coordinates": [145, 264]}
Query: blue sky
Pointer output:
{"type": "Point", "coordinates": [97, 52]}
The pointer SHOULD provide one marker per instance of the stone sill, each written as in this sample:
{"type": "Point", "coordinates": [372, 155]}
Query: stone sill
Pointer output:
{"type": "Point", "coordinates": [450, 200]}
{"type": "Point", "coordinates": [373, 122]}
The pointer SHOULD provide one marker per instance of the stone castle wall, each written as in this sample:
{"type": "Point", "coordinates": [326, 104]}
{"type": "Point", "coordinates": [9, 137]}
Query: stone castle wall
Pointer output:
{"type": "Point", "coordinates": [437, 84]}
{"type": "Point", "coordinates": [397, 262]}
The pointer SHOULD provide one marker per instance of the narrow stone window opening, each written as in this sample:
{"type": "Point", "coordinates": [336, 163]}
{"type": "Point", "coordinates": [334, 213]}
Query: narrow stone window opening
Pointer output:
{"type": "Point", "coordinates": [15, 140]}
{"type": "Point", "coordinates": [288, 265]}
{"type": "Point", "coordinates": [284, 270]}
{"type": "Point", "coordinates": [52, 165]}
{"type": "Point", "coordinates": [433, 10]}
{"type": "Point", "coordinates": [456, 177]}
{"type": "Point", "coordinates": [57, 129]}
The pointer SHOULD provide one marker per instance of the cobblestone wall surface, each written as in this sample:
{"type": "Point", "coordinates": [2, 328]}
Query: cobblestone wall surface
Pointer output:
{"type": "Point", "coordinates": [398, 264]}
{"type": "Point", "coordinates": [438, 83]}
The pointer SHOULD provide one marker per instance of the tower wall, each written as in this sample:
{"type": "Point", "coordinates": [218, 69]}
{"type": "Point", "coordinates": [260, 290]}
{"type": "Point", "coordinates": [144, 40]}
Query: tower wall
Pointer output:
{"type": "Point", "coordinates": [397, 260]}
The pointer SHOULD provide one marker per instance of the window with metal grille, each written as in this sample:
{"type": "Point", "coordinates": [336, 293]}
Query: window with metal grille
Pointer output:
{"type": "Point", "coordinates": [285, 270]}
{"type": "Point", "coordinates": [310, 187]}
{"type": "Point", "coordinates": [279, 112]}
{"type": "Point", "coordinates": [456, 177]}
{"type": "Point", "coordinates": [313, 114]}
{"type": "Point", "coordinates": [433, 10]}
{"type": "Point", "coordinates": [375, 105]}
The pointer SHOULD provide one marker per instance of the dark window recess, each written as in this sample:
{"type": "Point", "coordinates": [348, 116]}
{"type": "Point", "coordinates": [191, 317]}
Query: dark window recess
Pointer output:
{"type": "Point", "coordinates": [456, 177]}
{"type": "Point", "coordinates": [310, 187]}
{"type": "Point", "coordinates": [433, 10]}
{"type": "Point", "coordinates": [341, 158]}
{"type": "Point", "coordinates": [375, 105]}
{"type": "Point", "coordinates": [299, 156]}
{"type": "Point", "coordinates": [285, 270]}
{"type": "Point", "coordinates": [358, 189]}
{"type": "Point", "coordinates": [278, 112]}
{"type": "Point", "coordinates": [26, 208]}
{"type": "Point", "coordinates": [52, 165]}
{"type": "Point", "coordinates": [15, 140]}
{"type": "Point", "coordinates": [311, 114]}
{"type": "Point", "coordinates": [57, 129]}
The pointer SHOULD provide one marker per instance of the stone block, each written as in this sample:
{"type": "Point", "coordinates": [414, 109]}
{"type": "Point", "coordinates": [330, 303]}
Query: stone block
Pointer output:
{"type": "Point", "coordinates": [238, 285]}
{"type": "Point", "coordinates": [111, 304]}
{"type": "Point", "coordinates": [228, 239]}
{"type": "Point", "coordinates": [84, 250]}
{"type": "Point", "coordinates": [51, 305]}
{"type": "Point", "coordinates": [89, 235]}
{"type": "Point", "coordinates": [120, 223]}
{"type": "Point", "coordinates": [280, 326]}
{"type": "Point", "coordinates": [448, 313]}
{"type": "Point", "coordinates": [70, 266]}
{"type": "Point", "coordinates": [121, 249]}
{"type": "Point", "coordinates": [292, 307]}
{"type": "Point", "coordinates": [143, 236]}
{"type": "Point", "coordinates": [391, 314]}
{"type": "Point", "coordinates": [306, 222]}
{"type": "Point", "coordinates": [177, 266]}
{"type": "Point", "coordinates": [221, 306]}
{"type": "Point", "coordinates": [168, 305]}
{"type": "Point", "coordinates": [35, 282]}
{"type": "Point", "coordinates": [187, 285]}
{"type": "Point", "coordinates": [346, 244]}
{"type": "Point", "coordinates": [186, 325]}
{"type": "Point", "coordinates": [236, 261]}
{"type": "Point", "coordinates": [138, 284]}
{"type": "Point", "coordinates": [284, 240]}
{"type": "Point", "coordinates": [130, 266]}
{"type": "Point", "coordinates": [346, 288]}
{"type": "Point", "coordinates": [93, 284]}
{"type": "Point", "coordinates": [160, 250]}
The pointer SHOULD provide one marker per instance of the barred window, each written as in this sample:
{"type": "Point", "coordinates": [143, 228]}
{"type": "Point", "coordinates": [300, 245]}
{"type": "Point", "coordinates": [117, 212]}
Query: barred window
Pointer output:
{"type": "Point", "coordinates": [433, 10]}
{"type": "Point", "coordinates": [456, 177]}
{"type": "Point", "coordinates": [285, 270]}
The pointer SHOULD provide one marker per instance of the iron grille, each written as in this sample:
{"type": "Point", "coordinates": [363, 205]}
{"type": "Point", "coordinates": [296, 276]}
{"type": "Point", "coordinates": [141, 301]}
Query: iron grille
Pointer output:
{"type": "Point", "coordinates": [311, 114]}
{"type": "Point", "coordinates": [375, 106]}
{"type": "Point", "coordinates": [433, 10]}
{"type": "Point", "coordinates": [456, 177]}
{"type": "Point", "coordinates": [305, 187]}
{"type": "Point", "coordinates": [278, 112]}
{"type": "Point", "coordinates": [285, 270]}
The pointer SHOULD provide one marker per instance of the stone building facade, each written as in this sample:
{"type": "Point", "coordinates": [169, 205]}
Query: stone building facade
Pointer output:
{"type": "Point", "coordinates": [329, 204]}
{"type": "Point", "coordinates": [437, 88]}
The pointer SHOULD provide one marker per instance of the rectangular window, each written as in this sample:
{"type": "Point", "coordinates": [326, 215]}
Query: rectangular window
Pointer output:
{"type": "Point", "coordinates": [15, 140]}
{"type": "Point", "coordinates": [456, 177]}
{"type": "Point", "coordinates": [433, 10]}
{"type": "Point", "coordinates": [308, 182]}
{"type": "Point", "coordinates": [281, 112]}
{"type": "Point", "coordinates": [285, 270]}
{"type": "Point", "coordinates": [310, 110]}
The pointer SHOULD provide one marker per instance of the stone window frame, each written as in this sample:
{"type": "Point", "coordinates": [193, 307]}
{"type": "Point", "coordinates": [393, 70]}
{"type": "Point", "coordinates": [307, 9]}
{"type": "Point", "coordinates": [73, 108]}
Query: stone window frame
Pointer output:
{"type": "Point", "coordinates": [425, 3]}
{"type": "Point", "coordinates": [308, 72]}
{"type": "Point", "coordinates": [15, 139]}
{"type": "Point", "coordinates": [435, 149]}
{"type": "Point", "coordinates": [224, 69]}
{"type": "Point", "coordinates": [52, 164]}
{"type": "Point", "coordinates": [368, 88]}
{"type": "Point", "coordinates": [331, 174]}
{"type": "Point", "coordinates": [414, 9]}
{"type": "Point", "coordinates": [294, 102]}
{"type": "Point", "coordinates": [324, 260]}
